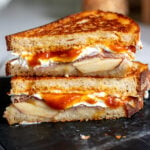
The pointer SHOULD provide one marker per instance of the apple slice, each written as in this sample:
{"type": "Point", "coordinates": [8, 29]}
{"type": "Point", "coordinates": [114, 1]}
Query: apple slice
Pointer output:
{"type": "Point", "coordinates": [97, 64]}
{"type": "Point", "coordinates": [37, 108]}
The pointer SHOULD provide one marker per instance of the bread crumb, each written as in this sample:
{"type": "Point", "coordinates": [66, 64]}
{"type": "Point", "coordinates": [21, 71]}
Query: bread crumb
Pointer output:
{"type": "Point", "coordinates": [118, 137]}
{"type": "Point", "coordinates": [84, 137]}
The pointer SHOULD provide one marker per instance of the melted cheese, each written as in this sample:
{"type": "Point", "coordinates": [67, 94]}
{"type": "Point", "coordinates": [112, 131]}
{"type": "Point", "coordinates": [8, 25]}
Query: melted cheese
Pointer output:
{"type": "Point", "coordinates": [60, 56]}
{"type": "Point", "coordinates": [26, 59]}
{"type": "Point", "coordinates": [43, 59]}
{"type": "Point", "coordinates": [61, 101]}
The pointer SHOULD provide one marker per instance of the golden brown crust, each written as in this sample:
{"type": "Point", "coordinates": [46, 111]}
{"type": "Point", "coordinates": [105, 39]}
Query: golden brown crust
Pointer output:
{"type": "Point", "coordinates": [85, 21]}
{"type": "Point", "coordinates": [145, 82]}
{"type": "Point", "coordinates": [76, 31]}
{"type": "Point", "coordinates": [8, 41]}
{"type": "Point", "coordinates": [134, 106]}
{"type": "Point", "coordinates": [8, 68]}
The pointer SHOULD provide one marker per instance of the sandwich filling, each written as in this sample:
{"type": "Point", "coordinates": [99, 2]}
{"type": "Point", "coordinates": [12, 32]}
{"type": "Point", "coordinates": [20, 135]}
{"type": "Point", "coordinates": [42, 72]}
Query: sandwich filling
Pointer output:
{"type": "Point", "coordinates": [97, 59]}
{"type": "Point", "coordinates": [77, 54]}
{"type": "Point", "coordinates": [62, 101]}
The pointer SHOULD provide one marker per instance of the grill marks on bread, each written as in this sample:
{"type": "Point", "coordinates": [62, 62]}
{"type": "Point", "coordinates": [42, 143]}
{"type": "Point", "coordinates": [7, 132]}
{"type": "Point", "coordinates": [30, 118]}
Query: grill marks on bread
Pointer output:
{"type": "Point", "coordinates": [85, 21]}
{"type": "Point", "coordinates": [77, 31]}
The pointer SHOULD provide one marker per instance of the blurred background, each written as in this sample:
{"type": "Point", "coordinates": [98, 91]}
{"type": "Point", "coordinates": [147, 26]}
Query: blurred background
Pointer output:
{"type": "Point", "coordinates": [18, 15]}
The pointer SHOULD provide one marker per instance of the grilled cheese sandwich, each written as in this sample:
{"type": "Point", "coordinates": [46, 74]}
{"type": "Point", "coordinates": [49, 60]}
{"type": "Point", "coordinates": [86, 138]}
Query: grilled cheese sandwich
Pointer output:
{"type": "Point", "coordinates": [80, 67]}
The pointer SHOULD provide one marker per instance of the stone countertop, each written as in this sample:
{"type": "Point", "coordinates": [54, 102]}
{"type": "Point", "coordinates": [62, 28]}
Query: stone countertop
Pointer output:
{"type": "Point", "coordinates": [20, 15]}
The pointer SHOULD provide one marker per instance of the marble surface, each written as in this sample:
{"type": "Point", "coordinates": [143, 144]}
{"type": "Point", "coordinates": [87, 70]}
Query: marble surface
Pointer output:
{"type": "Point", "coordinates": [20, 15]}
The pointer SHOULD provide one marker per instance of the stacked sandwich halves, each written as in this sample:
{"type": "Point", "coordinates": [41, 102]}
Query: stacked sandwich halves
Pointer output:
{"type": "Point", "coordinates": [78, 68]}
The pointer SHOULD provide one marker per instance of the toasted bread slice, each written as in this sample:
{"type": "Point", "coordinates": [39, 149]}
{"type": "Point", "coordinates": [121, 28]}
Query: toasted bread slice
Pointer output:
{"type": "Point", "coordinates": [38, 111]}
{"type": "Point", "coordinates": [104, 29]}
{"type": "Point", "coordinates": [133, 85]}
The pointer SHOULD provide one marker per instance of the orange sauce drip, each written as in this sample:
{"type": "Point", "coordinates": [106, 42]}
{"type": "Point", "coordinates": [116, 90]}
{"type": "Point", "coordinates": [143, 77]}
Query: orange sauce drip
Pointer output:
{"type": "Point", "coordinates": [65, 100]}
{"type": "Point", "coordinates": [112, 102]}
{"type": "Point", "coordinates": [61, 101]}
{"type": "Point", "coordinates": [119, 49]}
{"type": "Point", "coordinates": [59, 56]}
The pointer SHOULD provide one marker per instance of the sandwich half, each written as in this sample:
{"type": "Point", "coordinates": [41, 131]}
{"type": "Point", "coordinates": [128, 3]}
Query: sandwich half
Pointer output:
{"type": "Point", "coordinates": [91, 43]}
{"type": "Point", "coordinates": [54, 99]}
